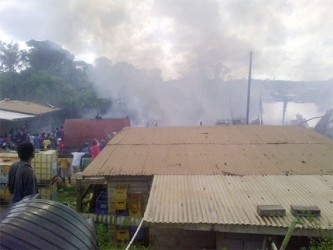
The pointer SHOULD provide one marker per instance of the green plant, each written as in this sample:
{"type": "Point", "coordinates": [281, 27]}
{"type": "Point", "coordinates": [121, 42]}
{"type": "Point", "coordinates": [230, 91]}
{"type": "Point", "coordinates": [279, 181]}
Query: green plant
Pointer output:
{"type": "Point", "coordinates": [324, 241]}
{"type": "Point", "coordinates": [103, 237]}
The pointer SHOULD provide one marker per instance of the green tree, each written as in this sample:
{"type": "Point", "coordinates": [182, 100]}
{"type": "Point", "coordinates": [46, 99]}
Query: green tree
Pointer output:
{"type": "Point", "coordinates": [48, 73]}
{"type": "Point", "coordinates": [12, 59]}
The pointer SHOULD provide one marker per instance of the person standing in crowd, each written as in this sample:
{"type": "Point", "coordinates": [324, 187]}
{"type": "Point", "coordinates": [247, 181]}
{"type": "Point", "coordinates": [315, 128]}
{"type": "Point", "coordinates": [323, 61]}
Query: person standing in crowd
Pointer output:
{"type": "Point", "coordinates": [94, 149]}
{"type": "Point", "coordinates": [46, 143]}
{"type": "Point", "coordinates": [76, 162]}
{"type": "Point", "coordinates": [86, 149]}
{"type": "Point", "coordinates": [62, 132]}
{"type": "Point", "coordinates": [58, 133]}
{"type": "Point", "coordinates": [21, 177]}
{"type": "Point", "coordinates": [65, 164]}
{"type": "Point", "coordinates": [22, 137]}
{"type": "Point", "coordinates": [102, 144]}
{"type": "Point", "coordinates": [31, 138]}
{"type": "Point", "coordinates": [37, 141]}
{"type": "Point", "coordinates": [61, 146]}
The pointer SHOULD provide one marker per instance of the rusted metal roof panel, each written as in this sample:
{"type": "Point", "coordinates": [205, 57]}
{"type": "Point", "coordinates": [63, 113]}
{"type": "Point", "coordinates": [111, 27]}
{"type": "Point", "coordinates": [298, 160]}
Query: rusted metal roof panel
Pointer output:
{"type": "Point", "coordinates": [233, 200]}
{"type": "Point", "coordinates": [26, 107]}
{"type": "Point", "coordinates": [79, 131]}
{"type": "Point", "coordinates": [233, 150]}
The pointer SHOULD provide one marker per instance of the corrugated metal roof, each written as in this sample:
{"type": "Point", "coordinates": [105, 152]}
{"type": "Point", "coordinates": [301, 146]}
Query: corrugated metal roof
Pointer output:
{"type": "Point", "coordinates": [233, 200]}
{"type": "Point", "coordinates": [235, 150]}
{"type": "Point", "coordinates": [26, 107]}
{"type": "Point", "coordinates": [13, 116]}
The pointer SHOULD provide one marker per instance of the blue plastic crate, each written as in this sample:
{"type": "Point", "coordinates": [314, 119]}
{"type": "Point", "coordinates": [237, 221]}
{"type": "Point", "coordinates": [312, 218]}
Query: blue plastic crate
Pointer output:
{"type": "Point", "coordinates": [122, 212]}
{"type": "Point", "coordinates": [99, 210]}
{"type": "Point", "coordinates": [101, 204]}
{"type": "Point", "coordinates": [103, 196]}
{"type": "Point", "coordinates": [140, 234]}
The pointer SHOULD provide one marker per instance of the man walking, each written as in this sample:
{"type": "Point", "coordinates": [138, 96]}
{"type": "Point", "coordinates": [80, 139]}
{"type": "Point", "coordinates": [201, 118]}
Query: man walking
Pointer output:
{"type": "Point", "coordinates": [21, 177]}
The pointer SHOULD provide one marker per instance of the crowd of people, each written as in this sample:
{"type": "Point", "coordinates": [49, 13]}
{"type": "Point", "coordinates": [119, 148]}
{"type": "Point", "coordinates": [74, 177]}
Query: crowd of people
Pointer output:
{"type": "Point", "coordinates": [26, 144]}
{"type": "Point", "coordinates": [40, 141]}
{"type": "Point", "coordinates": [72, 163]}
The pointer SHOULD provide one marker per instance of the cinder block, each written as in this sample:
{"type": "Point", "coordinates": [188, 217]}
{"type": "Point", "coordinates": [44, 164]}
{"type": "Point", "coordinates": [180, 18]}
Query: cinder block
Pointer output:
{"type": "Point", "coordinates": [305, 211]}
{"type": "Point", "coordinates": [271, 210]}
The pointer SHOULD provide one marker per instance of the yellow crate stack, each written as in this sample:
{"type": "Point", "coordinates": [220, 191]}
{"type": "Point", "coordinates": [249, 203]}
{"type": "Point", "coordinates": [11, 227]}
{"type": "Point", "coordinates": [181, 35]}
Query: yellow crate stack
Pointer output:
{"type": "Point", "coordinates": [45, 166]}
{"type": "Point", "coordinates": [134, 204]}
{"type": "Point", "coordinates": [6, 160]}
{"type": "Point", "coordinates": [122, 234]}
{"type": "Point", "coordinates": [4, 168]}
{"type": "Point", "coordinates": [120, 197]}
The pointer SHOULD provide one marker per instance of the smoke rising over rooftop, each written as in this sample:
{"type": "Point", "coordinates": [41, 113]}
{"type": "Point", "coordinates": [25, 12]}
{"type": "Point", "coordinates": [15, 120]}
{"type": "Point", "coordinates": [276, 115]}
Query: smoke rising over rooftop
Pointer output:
{"type": "Point", "coordinates": [290, 39]}
{"type": "Point", "coordinates": [169, 59]}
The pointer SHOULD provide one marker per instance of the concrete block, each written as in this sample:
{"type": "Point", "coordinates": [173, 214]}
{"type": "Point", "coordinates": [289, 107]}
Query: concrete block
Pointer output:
{"type": "Point", "coordinates": [271, 210]}
{"type": "Point", "coordinates": [305, 211]}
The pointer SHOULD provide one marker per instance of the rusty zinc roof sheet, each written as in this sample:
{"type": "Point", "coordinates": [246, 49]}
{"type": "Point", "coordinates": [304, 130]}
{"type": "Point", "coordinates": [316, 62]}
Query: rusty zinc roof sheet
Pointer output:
{"type": "Point", "coordinates": [79, 131]}
{"type": "Point", "coordinates": [233, 200]}
{"type": "Point", "coordinates": [26, 107]}
{"type": "Point", "coordinates": [233, 150]}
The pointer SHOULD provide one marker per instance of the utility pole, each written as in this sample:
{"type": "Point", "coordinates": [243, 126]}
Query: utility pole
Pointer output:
{"type": "Point", "coordinates": [249, 91]}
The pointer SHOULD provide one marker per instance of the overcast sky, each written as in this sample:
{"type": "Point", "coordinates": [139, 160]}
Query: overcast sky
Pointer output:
{"type": "Point", "coordinates": [290, 40]}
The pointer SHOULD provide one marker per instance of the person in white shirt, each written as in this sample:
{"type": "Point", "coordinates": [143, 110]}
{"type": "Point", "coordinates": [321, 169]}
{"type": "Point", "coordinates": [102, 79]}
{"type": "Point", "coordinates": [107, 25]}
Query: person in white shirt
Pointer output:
{"type": "Point", "coordinates": [76, 162]}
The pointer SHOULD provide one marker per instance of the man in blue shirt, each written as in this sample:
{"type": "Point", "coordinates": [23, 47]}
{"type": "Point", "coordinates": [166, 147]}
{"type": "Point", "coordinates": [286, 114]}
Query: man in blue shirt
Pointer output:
{"type": "Point", "coordinates": [21, 176]}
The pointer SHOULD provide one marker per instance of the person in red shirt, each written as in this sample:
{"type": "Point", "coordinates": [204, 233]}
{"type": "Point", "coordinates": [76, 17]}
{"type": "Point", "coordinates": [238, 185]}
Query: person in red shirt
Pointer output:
{"type": "Point", "coordinates": [61, 146]}
{"type": "Point", "coordinates": [94, 149]}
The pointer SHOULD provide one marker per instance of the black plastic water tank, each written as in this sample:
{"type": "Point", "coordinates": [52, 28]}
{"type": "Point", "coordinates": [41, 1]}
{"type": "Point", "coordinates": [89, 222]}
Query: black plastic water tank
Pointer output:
{"type": "Point", "coordinates": [45, 224]}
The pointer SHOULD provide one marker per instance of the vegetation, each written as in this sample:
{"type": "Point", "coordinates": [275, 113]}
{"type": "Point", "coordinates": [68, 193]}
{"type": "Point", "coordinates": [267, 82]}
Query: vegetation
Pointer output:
{"type": "Point", "coordinates": [66, 195]}
{"type": "Point", "coordinates": [105, 242]}
{"type": "Point", "coordinates": [48, 73]}
{"type": "Point", "coordinates": [325, 239]}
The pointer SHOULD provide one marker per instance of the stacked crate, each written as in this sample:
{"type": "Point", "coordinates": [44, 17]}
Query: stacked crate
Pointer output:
{"type": "Point", "coordinates": [45, 165]}
{"type": "Point", "coordinates": [134, 204]}
{"type": "Point", "coordinates": [6, 160]}
{"type": "Point", "coordinates": [120, 206]}
{"type": "Point", "coordinates": [120, 197]}
{"type": "Point", "coordinates": [102, 203]}
{"type": "Point", "coordinates": [48, 192]}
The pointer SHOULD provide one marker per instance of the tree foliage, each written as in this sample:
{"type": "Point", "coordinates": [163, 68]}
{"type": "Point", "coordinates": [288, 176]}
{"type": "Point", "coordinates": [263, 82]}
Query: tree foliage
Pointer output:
{"type": "Point", "coordinates": [48, 73]}
{"type": "Point", "coordinates": [12, 59]}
